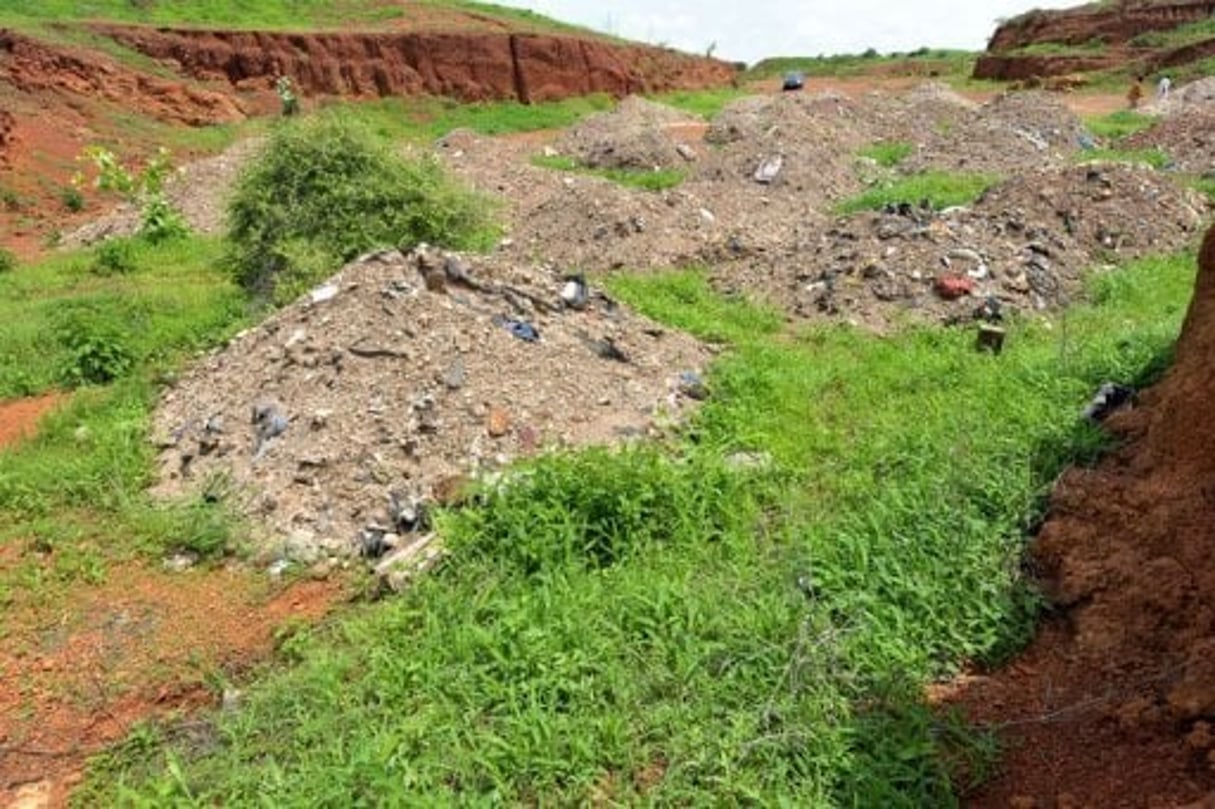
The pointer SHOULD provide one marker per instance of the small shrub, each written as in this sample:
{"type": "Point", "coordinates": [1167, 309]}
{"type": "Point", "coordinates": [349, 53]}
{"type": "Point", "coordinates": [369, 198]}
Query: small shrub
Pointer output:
{"type": "Point", "coordinates": [161, 221]}
{"type": "Point", "coordinates": [72, 199]}
{"type": "Point", "coordinates": [323, 193]}
{"type": "Point", "coordinates": [115, 257]}
{"type": "Point", "coordinates": [8, 261]}
{"type": "Point", "coordinates": [10, 200]}
{"type": "Point", "coordinates": [97, 349]}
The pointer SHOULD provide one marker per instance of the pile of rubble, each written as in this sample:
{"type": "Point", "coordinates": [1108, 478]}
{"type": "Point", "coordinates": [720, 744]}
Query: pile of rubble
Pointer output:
{"type": "Point", "coordinates": [1024, 245]}
{"type": "Point", "coordinates": [1187, 137]}
{"type": "Point", "coordinates": [637, 134]}
{"type": "Point", "coordinates": [402, 379]}
{"type": "Point", "coordinates": [1013, 132]}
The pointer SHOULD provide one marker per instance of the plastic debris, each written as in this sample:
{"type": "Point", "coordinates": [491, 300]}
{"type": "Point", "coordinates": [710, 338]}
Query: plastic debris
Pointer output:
{"type": "Point", "coordinates": [1108, 398]}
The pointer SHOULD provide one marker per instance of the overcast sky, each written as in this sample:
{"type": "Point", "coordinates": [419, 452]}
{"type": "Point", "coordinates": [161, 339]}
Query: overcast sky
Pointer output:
{"type": "Point", "coordinates": [747, 31]}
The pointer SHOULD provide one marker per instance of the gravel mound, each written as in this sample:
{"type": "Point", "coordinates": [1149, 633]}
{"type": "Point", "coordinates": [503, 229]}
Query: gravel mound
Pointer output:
{"type": "Point", "coordinates": [635, 135]}
{"type": "Point", "coordinates": [1013, 132]}
{"type": "Point", "coordinates": [1187, 136]}
{"type": "Point", "coordinates": [1024, 246]}
{"type": "Point", "coordinates": [401, 379]}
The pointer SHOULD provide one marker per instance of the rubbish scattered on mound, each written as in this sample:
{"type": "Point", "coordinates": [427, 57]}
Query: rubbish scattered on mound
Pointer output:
{"type": "Point", "coordinates": [400, 381]}
{"type": "Point", "coordinates": [1024, 246]}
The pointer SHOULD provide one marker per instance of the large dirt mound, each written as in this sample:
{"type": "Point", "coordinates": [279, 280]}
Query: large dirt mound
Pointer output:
{"type": "Point", "coordinates": [1117, 696]}
{"type": "Point", "coordinates": [407, 375]}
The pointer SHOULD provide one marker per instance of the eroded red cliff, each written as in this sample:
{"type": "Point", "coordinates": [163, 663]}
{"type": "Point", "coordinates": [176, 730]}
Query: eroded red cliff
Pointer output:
{"type": "Point", "coordinates": [471, 67]}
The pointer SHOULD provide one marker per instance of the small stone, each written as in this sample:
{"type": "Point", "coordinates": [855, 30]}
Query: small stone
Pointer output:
{"type": "Point", "coordinates": [768, 169]}
{"type": "Point", "coordinates": [323, 293]}
{"type": "Point", "coordinates": [180, 562]}
{"type": "Point", "coordinates": [233, 700]}
{"type": "Point", "coordinates": [497, 423]}
{"type": "Point", "coordinates": [453, 377]}
{"type": "Point", "coordinates": [685, 151]}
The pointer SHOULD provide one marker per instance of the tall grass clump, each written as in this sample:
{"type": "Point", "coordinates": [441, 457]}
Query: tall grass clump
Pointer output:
{"type": "Point", "coordinates": [323, 192]}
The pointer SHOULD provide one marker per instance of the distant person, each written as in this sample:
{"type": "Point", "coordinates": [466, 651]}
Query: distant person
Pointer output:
{"type": "Point", "coordinates": [1163, 87]}
{"type": "Point", "coordinates": [1135, 94]}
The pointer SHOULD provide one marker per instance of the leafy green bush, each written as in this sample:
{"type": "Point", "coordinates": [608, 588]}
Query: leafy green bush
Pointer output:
{"type": "Point", "coordinates": [114, 257]}
{"type": "Point", "coordinates": [97, 348]}
{"type": "Point", "coordinates": [323, 192]}
{"type": "Point", "coordinates": [8, 261]}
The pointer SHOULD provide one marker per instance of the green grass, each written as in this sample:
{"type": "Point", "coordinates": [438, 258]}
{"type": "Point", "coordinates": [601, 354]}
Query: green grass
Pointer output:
{"type": "Point", "coordinates": [656, 626]}
{"type": "Point", "coordinates": [1119, 124]}
{"type": "Point", "coordinates": [924, 61]}
{"type": "Point", "coordinates": [268, 14]}
{"type": "Point", "coordinates": [653, 180]}
{"type": "Point", "coordinates": [1155, 158]}
{"type": "Point", "coordinates": [705, 103]}
{"type": "Point", "coordinates": [887, 153]}
{"type": "Point", "coordinates": [174, 302]}
{"type": "Point", "coordinates": [939, 189]}
{"type": "Point", "coordinates": [75, 493]}
{"type": "Point", "coordinates": [1204, 185]}
{"type": "Point", "coordinates": [428, 118]}
{"type": "Point", "coordinates": [1176, 37]}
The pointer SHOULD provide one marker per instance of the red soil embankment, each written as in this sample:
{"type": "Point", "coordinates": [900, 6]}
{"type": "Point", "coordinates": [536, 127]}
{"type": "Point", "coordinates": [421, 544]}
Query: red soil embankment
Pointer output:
{"type": "Point", "coordinates": [1114, 703]}
{"type": "Point", "coordinates": [471, 67]}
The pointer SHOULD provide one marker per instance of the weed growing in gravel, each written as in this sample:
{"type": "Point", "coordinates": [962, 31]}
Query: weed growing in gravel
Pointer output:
{"type": "Point", "coordinates": [1154, 158]}
{"type": "Point", "coordinates": [887, 153]}
{"type": "Point", "coordinates": [1119, 124]}
{"type": "Point", "coordinates": [689, 624]}
{"type": "Point", "coordinates": [937, 189]}
{"type": "Point", "coordinates": [322, 193]}
{"type": "Point", "coordinates": [653, 180]}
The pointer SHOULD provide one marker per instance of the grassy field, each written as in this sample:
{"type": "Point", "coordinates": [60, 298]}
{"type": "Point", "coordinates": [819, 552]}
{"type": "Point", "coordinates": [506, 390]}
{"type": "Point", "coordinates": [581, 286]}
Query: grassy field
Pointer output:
{"type": "Point", "coordinates": [76, 491]}
{"type": "Point", "coordinates": [267, 14]}
{"type": "Point", "coordinates": [944, 64]}
{"type": "Point", "coordinates": [745, 613]}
